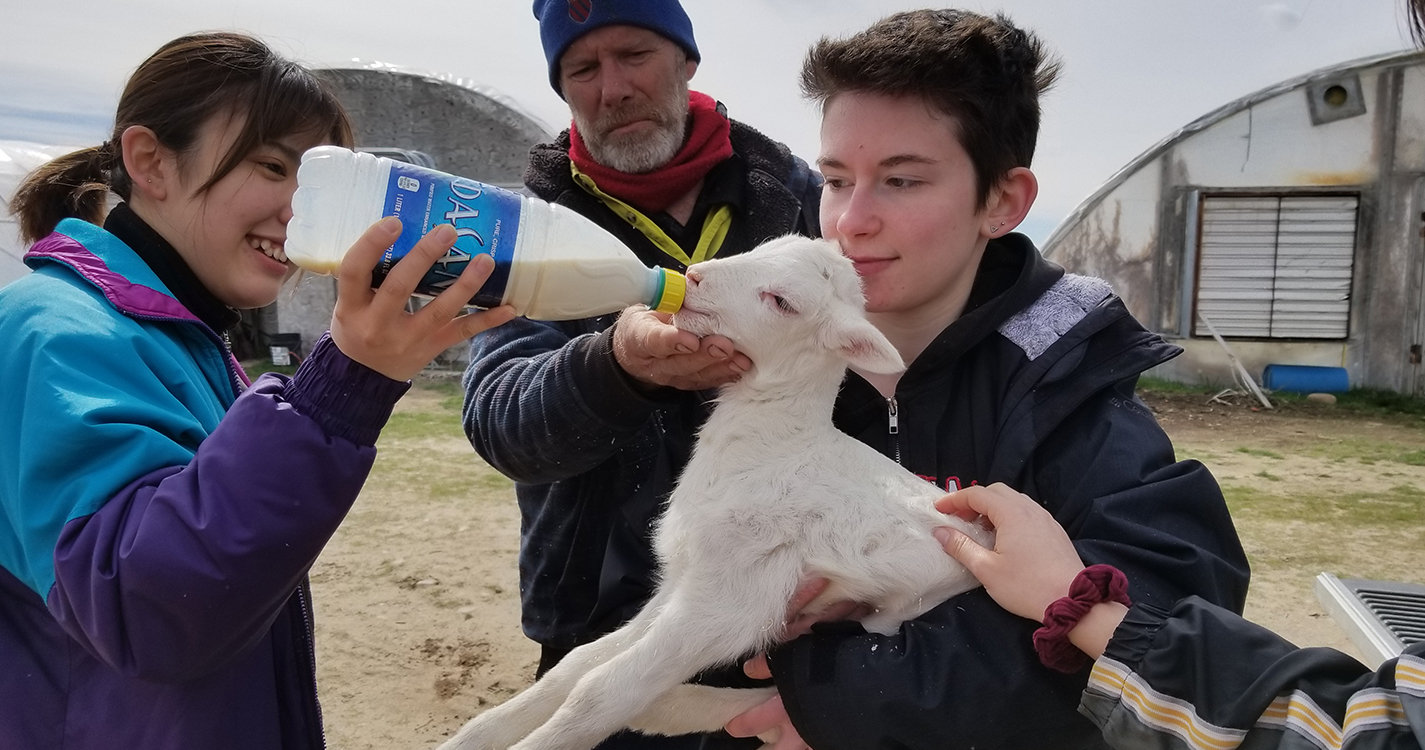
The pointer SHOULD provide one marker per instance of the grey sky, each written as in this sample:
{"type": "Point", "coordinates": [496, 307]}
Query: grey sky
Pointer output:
{"type": "Point", "coordinates": [1134, 70]}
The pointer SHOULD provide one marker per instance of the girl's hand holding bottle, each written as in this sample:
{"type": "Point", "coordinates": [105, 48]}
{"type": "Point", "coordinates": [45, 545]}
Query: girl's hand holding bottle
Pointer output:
{"type": "Point", "coordinates": [371, 326]}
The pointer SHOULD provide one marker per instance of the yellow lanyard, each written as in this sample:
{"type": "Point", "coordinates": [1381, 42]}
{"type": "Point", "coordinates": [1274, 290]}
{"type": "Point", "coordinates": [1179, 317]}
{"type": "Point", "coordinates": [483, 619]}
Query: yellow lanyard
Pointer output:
{"type": "Point", "coordinates": [715, 226]}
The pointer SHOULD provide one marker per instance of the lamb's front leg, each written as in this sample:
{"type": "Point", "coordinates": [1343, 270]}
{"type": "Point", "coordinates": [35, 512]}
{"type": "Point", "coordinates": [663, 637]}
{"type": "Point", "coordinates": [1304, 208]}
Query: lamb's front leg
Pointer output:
{"type": "Point", "coordinates": [693, 632]}
{"type": "Point", "coordinates": [508, 723]}
{"type": "Point", "coordinates": [698, 709]}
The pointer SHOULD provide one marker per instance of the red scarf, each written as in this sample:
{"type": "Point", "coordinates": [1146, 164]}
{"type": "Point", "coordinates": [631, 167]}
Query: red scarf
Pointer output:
{"type": "Point", "coordinates": [707, 145]}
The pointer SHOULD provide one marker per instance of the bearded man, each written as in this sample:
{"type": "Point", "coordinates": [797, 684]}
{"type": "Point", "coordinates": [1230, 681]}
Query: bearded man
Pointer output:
{"type": "Point", "coordinates": [594, 419]}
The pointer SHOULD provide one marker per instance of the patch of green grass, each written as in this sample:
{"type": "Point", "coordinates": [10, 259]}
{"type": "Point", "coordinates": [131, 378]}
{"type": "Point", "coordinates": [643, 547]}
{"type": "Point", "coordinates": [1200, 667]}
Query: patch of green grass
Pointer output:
{"type": "Point", "coordinates": [1363, 401]}
{"type": "Point", "coordinates": [1159, 385]}
{"type": "Point", "coordinates": [1413, 458]}
{"type": "Point", "coordinates": [416, 425]}
{"type": "Point", "coordinates": [424, 452]}
{"type": "Point", "coordinates": [1367, 400]}
{"type": "Point", "coordinates": [256, 367]}
{"type": "Point", "coordinates": [1260, 452]}
{"type": "Point", "coordinates": [437, 476]}
{"type": "Point", "coordinates": [1400, 508]}
{"type": "Point", "coordinates": [1366, 451]}
{"type": "Point", "coordinates": [1268, 475]}
{"type": "Point", "coordinates": [452, 395]}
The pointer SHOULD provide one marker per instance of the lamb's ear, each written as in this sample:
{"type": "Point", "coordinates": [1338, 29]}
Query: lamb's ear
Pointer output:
{"type": "Point", "coordinates": [864, 347]}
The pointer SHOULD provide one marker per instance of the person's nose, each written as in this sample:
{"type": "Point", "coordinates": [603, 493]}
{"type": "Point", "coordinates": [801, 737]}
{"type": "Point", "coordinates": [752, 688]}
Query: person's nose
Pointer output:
{"type": "Point", "coordinates": [858, 214]}
{"type": "Point", "coordinates": [616, 85]}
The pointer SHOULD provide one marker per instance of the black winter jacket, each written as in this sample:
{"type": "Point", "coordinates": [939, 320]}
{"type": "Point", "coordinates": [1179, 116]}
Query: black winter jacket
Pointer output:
{"type": "Point", "coordinates": [1034, 387]}
{"type": "Point", "coordinates": [593, 458]}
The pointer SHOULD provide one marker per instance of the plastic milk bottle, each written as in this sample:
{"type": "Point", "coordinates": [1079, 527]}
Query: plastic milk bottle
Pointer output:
{"type": "Point", "coordinates": [550, 262]}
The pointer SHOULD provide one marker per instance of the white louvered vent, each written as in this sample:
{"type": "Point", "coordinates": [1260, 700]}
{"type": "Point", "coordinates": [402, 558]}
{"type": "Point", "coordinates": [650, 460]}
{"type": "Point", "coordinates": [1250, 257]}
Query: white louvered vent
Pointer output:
{"type": "Point", "coordinates": [1277, 266]}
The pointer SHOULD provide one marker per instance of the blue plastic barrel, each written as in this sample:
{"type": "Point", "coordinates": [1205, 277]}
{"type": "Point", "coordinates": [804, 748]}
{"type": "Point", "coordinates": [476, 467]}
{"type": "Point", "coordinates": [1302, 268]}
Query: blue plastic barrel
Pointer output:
{"type": "Point", "coordinates": [1305, 379]}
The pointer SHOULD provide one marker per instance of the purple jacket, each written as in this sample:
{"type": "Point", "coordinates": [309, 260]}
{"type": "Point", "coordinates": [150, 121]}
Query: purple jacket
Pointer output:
{"type": "Point", "coordinates": [170, 611]}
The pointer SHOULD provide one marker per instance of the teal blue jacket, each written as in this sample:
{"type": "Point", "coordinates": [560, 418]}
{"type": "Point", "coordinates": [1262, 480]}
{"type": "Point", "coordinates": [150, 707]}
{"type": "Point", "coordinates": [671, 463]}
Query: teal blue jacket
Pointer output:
{"type": "Point", "coordinates": [109, 396]}
{"type": "Point", "coordinates": [158, 516]}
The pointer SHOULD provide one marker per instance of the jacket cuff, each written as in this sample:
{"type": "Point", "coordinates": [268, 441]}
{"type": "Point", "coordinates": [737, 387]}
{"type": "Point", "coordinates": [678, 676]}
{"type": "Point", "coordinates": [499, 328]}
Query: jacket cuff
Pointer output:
{"type": "Point", "coordinates": [621, 399]}
{"type": "Point", "coordinates": [346, 398]}
{"type": "Point", "coordinates": [1135, 635]}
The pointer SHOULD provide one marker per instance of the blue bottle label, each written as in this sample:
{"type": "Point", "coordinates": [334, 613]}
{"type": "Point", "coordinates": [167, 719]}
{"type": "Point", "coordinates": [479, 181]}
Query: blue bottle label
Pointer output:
{"type": "Point", "coordinates": [486, 220]}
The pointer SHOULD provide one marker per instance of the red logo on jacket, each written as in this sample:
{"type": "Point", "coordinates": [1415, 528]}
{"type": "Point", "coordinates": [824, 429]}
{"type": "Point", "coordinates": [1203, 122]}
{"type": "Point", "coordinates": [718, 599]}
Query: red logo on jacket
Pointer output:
{"type": "Point", "coordinates": [579, 10]}
{"type": "Point", "coordinates": [951, 484]}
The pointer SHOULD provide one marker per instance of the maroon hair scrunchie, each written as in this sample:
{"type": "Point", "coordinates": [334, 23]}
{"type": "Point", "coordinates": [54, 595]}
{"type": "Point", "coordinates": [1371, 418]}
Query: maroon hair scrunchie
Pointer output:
{"type": "Point", "coordinates": [1093, 585]}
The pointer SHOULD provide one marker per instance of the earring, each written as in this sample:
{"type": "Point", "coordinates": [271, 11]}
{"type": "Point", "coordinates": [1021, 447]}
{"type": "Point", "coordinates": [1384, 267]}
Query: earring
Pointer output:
{"type": "Point", "coordinates": [994, 228]}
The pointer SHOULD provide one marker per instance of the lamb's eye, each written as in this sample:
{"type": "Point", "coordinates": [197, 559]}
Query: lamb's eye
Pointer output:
{"type": "Point", "coordinates": [780, 301]}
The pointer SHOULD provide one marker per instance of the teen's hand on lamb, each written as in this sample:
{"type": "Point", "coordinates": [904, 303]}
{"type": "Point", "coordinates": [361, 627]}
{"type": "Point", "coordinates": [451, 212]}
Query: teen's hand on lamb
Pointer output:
{"type": "Point", "coordinates": [799, 620]}
{"type": "Point", "coordinates": [1032, 562]}
{"type": "Point", "coordinates": [372, 327]}
{"type": "Point", "coordinates": [768, 721]}
{"type": "Point", "coordinates": [655, 353]}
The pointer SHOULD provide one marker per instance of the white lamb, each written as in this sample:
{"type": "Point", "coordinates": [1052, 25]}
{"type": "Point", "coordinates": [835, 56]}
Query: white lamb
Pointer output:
{"type": "Point", "coordinates": [773, 495]}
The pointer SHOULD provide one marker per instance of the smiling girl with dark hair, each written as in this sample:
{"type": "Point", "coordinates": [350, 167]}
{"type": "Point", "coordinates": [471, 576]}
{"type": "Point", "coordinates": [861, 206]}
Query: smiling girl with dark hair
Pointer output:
{"type": "Point", "coordinates": [158, 513]}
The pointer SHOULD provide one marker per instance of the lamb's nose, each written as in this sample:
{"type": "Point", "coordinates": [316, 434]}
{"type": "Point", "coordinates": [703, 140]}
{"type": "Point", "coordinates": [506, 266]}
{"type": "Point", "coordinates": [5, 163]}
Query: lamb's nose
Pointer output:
{"type": "Point", "coordinates": [693, 277]}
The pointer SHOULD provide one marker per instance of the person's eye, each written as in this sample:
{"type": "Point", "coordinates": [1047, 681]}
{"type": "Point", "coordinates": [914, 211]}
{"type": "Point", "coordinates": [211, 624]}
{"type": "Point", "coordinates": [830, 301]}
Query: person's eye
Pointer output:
{"type": "Point", "coordinates": [902, 183]}
{"type": "Point", "coordinates": [582, 72]}
{"type": "Point", "coordinates": [275, 167]}
{"type": "Point", "coordinates": [834, 183]}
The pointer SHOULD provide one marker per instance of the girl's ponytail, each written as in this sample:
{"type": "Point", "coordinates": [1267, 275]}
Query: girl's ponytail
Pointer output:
{"type": "Point", "coordinates": [74, 185]}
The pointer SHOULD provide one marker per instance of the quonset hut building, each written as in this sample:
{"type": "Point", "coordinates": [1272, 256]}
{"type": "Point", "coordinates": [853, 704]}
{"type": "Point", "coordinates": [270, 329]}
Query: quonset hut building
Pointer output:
{"type": "Point", "coordinates": [1290, 219]}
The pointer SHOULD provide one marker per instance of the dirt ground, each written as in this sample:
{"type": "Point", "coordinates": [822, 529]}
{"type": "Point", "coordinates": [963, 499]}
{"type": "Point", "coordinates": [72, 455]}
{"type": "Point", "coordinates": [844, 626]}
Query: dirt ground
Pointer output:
{"type": "Point", "coordinates": [417, 598]}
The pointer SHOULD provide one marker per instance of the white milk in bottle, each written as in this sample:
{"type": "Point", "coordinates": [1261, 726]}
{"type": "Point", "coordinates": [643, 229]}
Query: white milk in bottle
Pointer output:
{"type": "Point", "coordinates": [550, 262]}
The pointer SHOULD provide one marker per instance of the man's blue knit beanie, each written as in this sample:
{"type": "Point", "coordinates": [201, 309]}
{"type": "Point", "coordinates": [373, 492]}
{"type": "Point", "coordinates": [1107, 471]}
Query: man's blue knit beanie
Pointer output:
{"type": "Point", "coordinates": [561, 22]}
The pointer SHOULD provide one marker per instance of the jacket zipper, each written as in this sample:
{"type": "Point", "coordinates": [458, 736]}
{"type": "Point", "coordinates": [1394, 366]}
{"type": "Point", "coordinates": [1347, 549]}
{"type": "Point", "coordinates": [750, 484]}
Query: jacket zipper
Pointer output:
{"type": "Point", "coordinates": [229, 360]}
{"type": "Point", "coordinates": [225, 351]}
{"type": "Point", "coordinates": [310, 636]}
{"type": "Point", "coordinates": [894, 426]}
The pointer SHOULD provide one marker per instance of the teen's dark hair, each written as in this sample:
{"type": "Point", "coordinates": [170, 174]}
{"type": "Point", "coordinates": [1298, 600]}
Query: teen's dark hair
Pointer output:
{"type": "Point", "coordinates": [983, 72]}
{"type": "Point", "coordinates": [174, 92]}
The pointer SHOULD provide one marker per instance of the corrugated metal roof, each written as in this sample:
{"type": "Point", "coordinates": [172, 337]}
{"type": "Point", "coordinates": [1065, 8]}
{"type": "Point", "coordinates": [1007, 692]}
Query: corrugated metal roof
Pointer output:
{"type": "Point", "coordinates": [1392, 59]}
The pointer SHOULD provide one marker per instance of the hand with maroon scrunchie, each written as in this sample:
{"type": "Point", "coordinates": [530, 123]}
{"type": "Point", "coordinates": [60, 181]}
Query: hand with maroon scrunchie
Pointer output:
{"type": "Point", "coordinates": [1031, 569]}
{"type": "Point", "coordinates": [1093, 585]}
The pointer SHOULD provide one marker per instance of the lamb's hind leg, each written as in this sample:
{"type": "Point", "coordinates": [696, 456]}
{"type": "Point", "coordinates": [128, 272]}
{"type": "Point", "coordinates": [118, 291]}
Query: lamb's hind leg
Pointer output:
{"type": "Point", "coordinates": [692, 633]}
{"type": "Point", "coordinates": [509, 722]}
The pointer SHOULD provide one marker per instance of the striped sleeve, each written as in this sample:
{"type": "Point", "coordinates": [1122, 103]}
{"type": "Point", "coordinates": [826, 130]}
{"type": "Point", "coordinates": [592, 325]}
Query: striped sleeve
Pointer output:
{"type": "Point", "coordinates": [1203, 678]}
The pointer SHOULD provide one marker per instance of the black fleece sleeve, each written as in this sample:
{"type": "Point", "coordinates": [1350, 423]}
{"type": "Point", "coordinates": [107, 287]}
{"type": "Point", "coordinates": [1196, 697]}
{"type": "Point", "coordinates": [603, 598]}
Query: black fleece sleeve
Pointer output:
{"type": "Point", "coordinates": [542, 405]}
{"type": "Point", "coordinates": [964, 675]}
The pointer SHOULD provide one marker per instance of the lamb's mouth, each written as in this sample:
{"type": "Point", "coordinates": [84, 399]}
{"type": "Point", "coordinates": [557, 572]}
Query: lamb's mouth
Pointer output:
{"type": "Point", "coordinates": [692, 321]}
